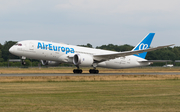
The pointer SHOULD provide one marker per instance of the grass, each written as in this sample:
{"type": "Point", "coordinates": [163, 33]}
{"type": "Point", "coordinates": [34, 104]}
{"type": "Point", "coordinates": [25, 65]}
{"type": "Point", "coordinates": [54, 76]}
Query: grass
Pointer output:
{"type": "Point", "coordinates": [87, 78]}
{"type": "Point", "coordinates": [94, 93]}
{"type": "Point", "coordinates": [91, 96]}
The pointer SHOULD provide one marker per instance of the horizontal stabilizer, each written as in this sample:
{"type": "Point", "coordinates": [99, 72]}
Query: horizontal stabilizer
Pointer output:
{"type": "Point", "coordinates": [160, 60]}
{"type": "Point", "coordinates": [152, 61]}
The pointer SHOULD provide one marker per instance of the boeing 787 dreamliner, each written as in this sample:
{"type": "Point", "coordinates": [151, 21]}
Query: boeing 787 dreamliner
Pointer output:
{"type": "Point", "coordinates": [55, 53]}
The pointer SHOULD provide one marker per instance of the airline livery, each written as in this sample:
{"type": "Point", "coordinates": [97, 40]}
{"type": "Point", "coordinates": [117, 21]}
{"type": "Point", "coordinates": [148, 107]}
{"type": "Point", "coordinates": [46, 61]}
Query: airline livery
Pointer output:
{"type": "Point", "coordinates": [55, 53]}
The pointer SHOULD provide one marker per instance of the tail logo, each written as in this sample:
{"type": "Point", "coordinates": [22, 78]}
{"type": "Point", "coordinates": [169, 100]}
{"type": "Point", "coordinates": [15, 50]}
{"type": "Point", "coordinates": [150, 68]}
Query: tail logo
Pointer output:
{"type": "Point", "coordinates": [143, 46]}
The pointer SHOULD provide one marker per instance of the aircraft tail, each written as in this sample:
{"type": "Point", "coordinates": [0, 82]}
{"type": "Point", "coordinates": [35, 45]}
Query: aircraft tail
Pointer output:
{"type": "Point", "coordinates": [144, 44]}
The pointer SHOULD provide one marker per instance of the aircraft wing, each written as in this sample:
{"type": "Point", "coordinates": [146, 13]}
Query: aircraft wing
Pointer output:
{"type": "Point", "coordinates": [104, 57]}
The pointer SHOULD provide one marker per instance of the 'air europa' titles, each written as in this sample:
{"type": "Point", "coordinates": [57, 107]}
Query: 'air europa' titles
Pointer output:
{"type": "Point", "coordinates": [52, 47]}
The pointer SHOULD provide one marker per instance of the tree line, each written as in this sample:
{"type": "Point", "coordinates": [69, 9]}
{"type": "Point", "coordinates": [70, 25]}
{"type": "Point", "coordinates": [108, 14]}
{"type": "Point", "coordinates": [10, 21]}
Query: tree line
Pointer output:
{"type": "Point", "coordinates": [169, 53]}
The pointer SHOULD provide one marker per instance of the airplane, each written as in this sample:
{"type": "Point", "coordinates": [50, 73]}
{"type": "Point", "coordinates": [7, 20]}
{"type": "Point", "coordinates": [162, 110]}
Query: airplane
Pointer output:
{"type": "Point", "coordinates": [51, 53]}
{"type": "Point", "coordinates": [168, 65]}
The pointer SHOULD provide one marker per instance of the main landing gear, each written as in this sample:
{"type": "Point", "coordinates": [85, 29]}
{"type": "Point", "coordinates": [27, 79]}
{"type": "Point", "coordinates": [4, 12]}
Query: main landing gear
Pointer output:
{"type": "Point", "coordinates": [91, 71]}
{"type": "Point", "coordinates": [78, 71]}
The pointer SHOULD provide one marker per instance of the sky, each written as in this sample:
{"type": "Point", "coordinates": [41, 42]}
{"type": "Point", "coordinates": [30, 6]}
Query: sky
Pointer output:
{"type": "Point", "coordinates": [98, 22]}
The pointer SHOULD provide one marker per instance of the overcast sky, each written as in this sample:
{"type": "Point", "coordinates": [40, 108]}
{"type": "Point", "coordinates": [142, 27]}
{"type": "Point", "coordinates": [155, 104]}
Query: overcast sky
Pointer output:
{"type": "Point", "coordinates": [97, 22]}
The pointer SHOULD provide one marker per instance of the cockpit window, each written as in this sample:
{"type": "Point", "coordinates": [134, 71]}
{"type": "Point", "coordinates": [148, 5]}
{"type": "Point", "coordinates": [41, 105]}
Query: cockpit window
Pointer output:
{"type": "Point", "coordinates": [18, 44]}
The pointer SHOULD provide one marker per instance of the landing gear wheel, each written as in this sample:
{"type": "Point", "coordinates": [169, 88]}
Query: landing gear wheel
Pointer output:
{"type": "Point", "coordinates": [23, 62]}
{"type": "Point", "coordinates": [78, 71]}
{"type": "Point", "coordinates": [93, 71]}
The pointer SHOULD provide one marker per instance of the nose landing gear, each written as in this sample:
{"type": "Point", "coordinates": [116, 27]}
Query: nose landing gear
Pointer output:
{"type": "Point", "coordinates": [23, 60]}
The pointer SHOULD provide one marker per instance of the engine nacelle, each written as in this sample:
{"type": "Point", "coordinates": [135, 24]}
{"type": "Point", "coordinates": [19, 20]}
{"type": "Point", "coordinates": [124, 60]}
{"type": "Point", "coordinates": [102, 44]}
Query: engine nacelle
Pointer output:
{"type": "Point", "coordinates": [83, 60]}
{"type": "Point", "coordinates": [50, 63]}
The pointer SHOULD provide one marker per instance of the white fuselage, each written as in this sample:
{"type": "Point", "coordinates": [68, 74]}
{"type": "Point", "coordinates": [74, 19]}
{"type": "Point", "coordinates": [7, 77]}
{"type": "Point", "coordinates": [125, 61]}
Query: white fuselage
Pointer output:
{"type": "Point", "coordinates": [64, 53]}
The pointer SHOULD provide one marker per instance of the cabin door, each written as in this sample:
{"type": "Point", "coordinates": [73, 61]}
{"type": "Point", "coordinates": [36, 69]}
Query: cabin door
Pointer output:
{"type": "Point", "coordinates": [31, 46]}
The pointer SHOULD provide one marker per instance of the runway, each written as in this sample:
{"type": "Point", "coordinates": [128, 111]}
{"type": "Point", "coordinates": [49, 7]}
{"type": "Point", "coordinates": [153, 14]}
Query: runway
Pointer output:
{"type": "Point", "coordinates": [87, 74]}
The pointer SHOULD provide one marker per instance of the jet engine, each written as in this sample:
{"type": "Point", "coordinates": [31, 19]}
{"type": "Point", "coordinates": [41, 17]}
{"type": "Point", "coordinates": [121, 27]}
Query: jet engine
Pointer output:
{"type": "Point", "coordinates": [50, 63]}
{"type": "Point", "coordinates": [83, 60]}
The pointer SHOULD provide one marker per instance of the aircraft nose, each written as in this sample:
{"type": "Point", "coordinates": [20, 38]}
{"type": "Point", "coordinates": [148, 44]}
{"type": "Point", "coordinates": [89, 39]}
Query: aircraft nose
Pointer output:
{"type": "Point", "coordinates": [11, 50]}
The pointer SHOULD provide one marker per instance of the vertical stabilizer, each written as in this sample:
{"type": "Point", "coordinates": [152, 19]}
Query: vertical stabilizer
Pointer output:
{"type": "Point", "coordinates": [144, 44]}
